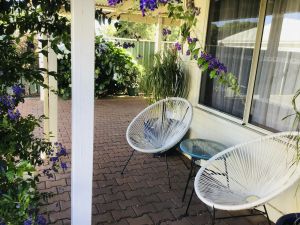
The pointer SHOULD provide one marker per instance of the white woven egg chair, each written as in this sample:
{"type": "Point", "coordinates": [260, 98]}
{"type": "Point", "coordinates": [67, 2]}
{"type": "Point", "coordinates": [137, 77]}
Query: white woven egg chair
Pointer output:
{"type": "Point", "coordinates": [249, 175]}
{"type": "Point", "coordinates": [159, 127]}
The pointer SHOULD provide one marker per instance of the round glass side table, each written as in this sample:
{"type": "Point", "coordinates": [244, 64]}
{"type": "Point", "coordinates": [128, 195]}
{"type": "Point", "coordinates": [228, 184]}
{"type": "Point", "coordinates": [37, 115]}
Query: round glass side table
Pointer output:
{"type": "Point", "coordinates": [198, 149]}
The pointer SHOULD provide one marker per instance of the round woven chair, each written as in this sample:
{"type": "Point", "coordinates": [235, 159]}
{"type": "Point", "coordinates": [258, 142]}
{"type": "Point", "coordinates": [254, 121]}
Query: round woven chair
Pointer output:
{"type": "Point", "coordinates": [160, 126]}
{"type": "Point", "coordinates": [249, 175]}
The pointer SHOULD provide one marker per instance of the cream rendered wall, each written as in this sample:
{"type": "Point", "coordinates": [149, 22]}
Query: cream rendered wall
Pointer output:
{"type": "Point", "coordinates": [211, 126]}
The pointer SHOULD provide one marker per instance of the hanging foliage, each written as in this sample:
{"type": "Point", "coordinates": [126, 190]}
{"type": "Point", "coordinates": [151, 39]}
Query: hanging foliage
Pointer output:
{"type": "Point", "coordinates": [20, 150]}
{"type": "Point", "coordinates": [188, 17]}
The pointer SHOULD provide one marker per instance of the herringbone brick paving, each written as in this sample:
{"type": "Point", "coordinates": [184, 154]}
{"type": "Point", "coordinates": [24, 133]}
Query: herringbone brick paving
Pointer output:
{"type": "Point", "coordinates": [141, 195]}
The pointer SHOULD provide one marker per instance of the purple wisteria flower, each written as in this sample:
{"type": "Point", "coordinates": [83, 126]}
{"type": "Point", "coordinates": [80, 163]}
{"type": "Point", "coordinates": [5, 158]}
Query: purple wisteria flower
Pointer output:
{"type": "Point", "coordinates": [213, 63]}
{"type": "Point", "coordinates": [7, 101]}
{"type": "Point", "coordinates": [41, 220]}
{"type": "Point", "coordinates": [62, 152]}
{"type": "Point", "coordinates": [166, 32]}
{"type": "Point", "coordinates": [188, 52]}
{"type": "Point", "coordinates": [64, 165]}
{"type": "Point", "coordinates": [191, 40]}
{"type": "Point", "coordinates": [178, 46]}
{"type": "Point", "coordinates": [148, 4]}
{"type": "Point", "coordinates": [28, 222]}
{"type": "Point", "coordinates": [54, 159]}
{"type": "Point", "coordinates": [128, 45]}
{"type": "Point", "coordinates": [13, 115]}
{"type": "Point", "coordinates": [18, 90]}
{"type": "Point", "coordinates": [56, 162]}
{"type": "Point", "coordinates": [114, 2]}
{"type": "Point", "coordinates": [144, 4]}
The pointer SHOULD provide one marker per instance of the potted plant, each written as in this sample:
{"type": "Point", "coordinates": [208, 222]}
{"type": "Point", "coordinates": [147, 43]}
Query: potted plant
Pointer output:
{"type": "Point", "coordinates": [166, 78]}
{"type": "Point", "coordinates": [289, 219]}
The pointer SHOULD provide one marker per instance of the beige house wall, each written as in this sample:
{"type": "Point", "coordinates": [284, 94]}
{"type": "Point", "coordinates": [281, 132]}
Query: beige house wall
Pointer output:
{"type": "Point", "coordinates": [209, 125]}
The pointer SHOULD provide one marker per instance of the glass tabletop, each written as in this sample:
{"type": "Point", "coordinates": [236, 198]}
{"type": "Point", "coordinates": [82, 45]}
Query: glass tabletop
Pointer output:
{"type": "Point", "coordinates": [201, 148]}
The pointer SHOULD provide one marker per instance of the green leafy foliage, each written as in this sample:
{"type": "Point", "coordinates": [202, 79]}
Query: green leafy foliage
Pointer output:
{"type": "Point", "coordinates": [20, 156]}
{"type": "Point", "coordinates": [115, 71]}
{"type": "Point", "coordinates": [166, 77]}
{"type": "Point", "coordinates": [20, 150]}
{"type": "Point", "coordinates": [64, 78]}
{"type": "Point", "coordinates": [15, 65]}
{"type": "Point", "coordinates": [135, 30]}
{"type": "Point", "coordinates": [32, 17]}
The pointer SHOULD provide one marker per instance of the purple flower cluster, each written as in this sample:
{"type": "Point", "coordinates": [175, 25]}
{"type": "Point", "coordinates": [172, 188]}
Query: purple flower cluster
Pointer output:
{"type": "Point", "coordinates": [213, 63]}
{"type": "Point", "coordinates": [178, 46]}
{"type": "Point", "coordinates": [166, 32]}
{"type": "Point", "coordinates": [18, 91]}
{"type": "Point", "coordinates": [114, 2]}
{"type": "Point", "coordinates": [191, 40]}
{"type": "Point", "coordinates": [13, 115]}
{"type": "Point", "coordinates": [147, 4]}
{"type": "Point", "coordinates": [8, 103]}
{"type": "Point", "coordinates": [40, 220]}
{"type": "Point", "coordinates": [128, 45]}
{"type": "Point", "coordinates": [144, 4]}
{"type": "Point", "coordinates": [55, 158]}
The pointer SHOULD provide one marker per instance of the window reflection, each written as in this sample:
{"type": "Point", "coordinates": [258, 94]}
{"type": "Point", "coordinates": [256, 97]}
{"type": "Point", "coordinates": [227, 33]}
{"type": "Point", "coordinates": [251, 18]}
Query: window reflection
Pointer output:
{"type": "Point", "coordinates": [278, 73]}
{"type": "Point", "coordinates": [231, 38]}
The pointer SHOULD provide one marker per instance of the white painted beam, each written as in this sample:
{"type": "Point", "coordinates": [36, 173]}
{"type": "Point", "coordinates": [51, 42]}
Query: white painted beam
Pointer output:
{"type": "Point", "coordinates": [82, 33]}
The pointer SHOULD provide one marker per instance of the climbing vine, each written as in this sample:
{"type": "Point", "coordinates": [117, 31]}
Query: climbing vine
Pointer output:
{"type": "Point", "coordinates": [188, 16]}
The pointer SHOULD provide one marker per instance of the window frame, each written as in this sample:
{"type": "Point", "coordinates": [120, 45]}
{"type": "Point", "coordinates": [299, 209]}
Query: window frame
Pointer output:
{"type": "Point", "coordinates": [252, 76]}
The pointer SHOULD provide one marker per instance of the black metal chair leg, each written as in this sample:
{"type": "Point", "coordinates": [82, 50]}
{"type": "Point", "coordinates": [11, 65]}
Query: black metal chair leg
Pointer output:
{"type": "Point", "coordinates": [127, 161]}
{"type": "Point", "coordinates": [188, 180]}
{"type": "Point", "coordinates": [166, 158]}
{"type": "Point", "coordinates": [267, 214]}
{"type": "Point", "coordinates": [188, 206]}
{"type": "Point", "coordinates": [213, 216]}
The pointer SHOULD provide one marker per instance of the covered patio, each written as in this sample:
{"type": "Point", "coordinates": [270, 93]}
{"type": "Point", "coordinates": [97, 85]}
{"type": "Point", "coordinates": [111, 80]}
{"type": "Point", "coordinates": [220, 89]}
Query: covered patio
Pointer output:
{"type": "Point", "coordinates": [94, 191]}
{"type": "Point", "coordinates": [141, 195]}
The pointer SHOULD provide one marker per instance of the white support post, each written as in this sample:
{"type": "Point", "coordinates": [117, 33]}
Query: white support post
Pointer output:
{"type": "Point", "coordinates": [158, 35]}
{"type": "Point", "coordinates": [42, 64]}
{"type": "Point", "coordinates": [83, 37]}
{"type": "Point", "coordinates": [52, 67]}
{"type": "Point", "coordinates": [43, 60]}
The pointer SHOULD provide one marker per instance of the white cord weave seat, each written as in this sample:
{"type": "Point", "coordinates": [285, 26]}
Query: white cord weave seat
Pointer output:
{"type": "Point", "coordinates": [160, 126]}
{"type": "Point", "coordinates": [249, 175]}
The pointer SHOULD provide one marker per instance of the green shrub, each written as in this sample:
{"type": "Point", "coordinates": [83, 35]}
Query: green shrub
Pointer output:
{"type": "Point", "coordinates": [166, 78]}
{"type": "Point", "coordinates": [115, 71]}
{"type": "Point", "coordinates": [20, 151]}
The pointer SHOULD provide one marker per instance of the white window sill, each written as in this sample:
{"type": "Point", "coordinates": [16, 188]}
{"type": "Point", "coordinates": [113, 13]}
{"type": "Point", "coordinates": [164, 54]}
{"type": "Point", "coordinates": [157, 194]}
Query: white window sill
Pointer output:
{"type": "Point", "coordinates": [232, 119]}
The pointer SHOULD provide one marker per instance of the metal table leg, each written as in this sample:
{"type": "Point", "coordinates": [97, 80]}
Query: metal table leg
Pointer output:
{"type": "Point", "coordinates": [188, 206]}
{"type": "Point", "coordinates": [189, 178]}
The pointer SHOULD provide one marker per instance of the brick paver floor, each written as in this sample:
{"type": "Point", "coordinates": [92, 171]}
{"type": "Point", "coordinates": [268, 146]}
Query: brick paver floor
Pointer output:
{"type": "Point", "coordinates": [141, 195]}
